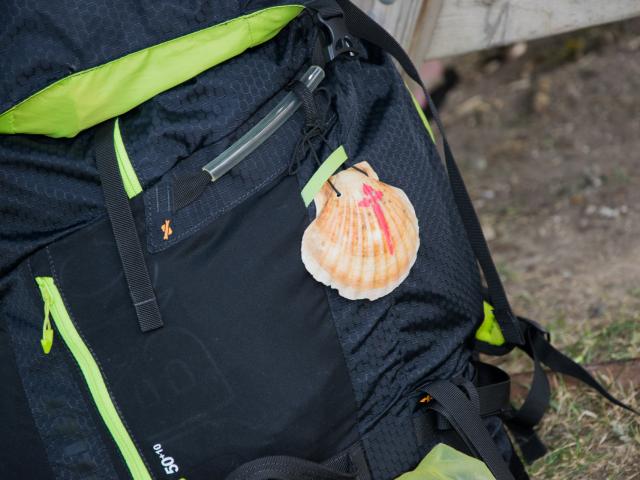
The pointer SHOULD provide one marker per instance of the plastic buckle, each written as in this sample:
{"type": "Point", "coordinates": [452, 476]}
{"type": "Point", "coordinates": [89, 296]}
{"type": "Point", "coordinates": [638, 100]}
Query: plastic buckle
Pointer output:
{"type": "Point", "coordinates": [337, 37]}
{"type": "Point", "coordinates": [532, 324]}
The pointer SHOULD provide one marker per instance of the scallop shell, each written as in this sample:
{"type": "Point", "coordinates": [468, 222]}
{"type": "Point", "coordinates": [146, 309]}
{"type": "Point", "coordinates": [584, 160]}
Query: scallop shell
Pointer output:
{"type": "Point", "coordinates": [364, 241]}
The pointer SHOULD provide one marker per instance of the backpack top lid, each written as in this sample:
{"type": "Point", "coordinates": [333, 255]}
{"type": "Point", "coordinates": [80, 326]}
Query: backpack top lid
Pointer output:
{"type": "Point", "coordinates": [74, 71]}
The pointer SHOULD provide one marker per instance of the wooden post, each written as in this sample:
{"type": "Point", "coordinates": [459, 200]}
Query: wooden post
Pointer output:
{"type": "Point", "coordinates": [467, 25]}
{"type": "Point", "coordinates": [426, 27]}
{"type": "Point", "coordinates": [439, 28]}
{"type": "Point", "coordinates": [398, 17]}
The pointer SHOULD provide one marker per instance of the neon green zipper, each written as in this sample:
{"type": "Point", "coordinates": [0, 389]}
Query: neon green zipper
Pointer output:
{"type": "Point", "coordinates": [92, 375]}
{"type": "Point", "coordinates": [47, 331]}
{"type": "Point", "coordinates": [127, 173]}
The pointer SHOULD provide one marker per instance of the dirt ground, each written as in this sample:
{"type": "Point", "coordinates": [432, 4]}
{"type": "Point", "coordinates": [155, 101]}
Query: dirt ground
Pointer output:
{"type": "Point", "coordinates": [549, 142]}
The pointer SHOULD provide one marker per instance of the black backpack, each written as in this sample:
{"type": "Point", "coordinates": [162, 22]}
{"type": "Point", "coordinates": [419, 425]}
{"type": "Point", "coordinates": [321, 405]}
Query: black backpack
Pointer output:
{"type": "Point", "coordinates": [161, 320]}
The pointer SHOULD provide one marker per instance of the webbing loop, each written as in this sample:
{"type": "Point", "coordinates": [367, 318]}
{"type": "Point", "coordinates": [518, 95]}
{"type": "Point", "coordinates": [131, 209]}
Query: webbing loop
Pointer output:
{"type": "Point", "coordinates": [124, 231]}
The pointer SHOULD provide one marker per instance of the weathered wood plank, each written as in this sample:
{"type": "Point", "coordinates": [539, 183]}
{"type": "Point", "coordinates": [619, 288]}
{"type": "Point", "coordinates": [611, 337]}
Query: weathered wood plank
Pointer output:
{"type": "Point", "coordinates": [467, 25]}
{"type": "Point", "coordinates": [399, 18]}
{"type": "Point", "coordinates": [439, 28]}
{"type": "Point", "coordinates": [425, 29]}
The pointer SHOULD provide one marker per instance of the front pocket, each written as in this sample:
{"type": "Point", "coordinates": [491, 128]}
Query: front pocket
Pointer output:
{"type": "Point", "coordinates": [247, 363]}
{"type": "Point", "coordinates": [247, 179]}
{"type": "Point", "coordinates": [54, 305]}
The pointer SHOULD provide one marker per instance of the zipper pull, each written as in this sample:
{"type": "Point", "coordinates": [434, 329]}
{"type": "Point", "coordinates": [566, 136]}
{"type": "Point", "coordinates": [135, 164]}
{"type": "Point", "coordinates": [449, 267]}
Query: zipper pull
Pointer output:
{"type": "Point", "coordinates": [47, 331]}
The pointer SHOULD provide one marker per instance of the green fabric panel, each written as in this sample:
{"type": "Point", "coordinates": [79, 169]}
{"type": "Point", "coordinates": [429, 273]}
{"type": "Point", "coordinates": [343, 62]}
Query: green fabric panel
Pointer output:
{"type": "Point", "coordinates": [423, 117]}
{"type": "Point", "coordinates": [328, 167]}
{"type": "Point", "coordinates": [489, 330]}
{"type": "Point", "coordinates": [89, 97]}
{"type": "Point", "coordinates": [446, 463]}
{"type": "Point", "coordinates": [92, 375]}
{"type": "Point", "coordinates": [127, 173]}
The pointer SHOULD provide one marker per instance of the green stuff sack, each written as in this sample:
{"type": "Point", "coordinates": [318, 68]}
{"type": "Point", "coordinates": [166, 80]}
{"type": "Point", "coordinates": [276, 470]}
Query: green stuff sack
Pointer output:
{"type": "Point", "coordinates": [446, 463]}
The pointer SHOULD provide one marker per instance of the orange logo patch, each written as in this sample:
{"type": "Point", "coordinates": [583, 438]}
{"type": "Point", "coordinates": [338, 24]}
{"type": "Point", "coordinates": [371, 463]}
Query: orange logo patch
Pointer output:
{"type": "Point", "coordinates": [166, 228]}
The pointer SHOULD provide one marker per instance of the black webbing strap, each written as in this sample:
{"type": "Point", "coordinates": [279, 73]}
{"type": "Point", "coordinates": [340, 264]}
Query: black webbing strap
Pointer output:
{"type": "Point", "coordinates": [286, 468]}
{"type": "Point", "coordinates": [449, 401]}
{"type": "Point", "coordinates": [489, 396]}
{"type": "Point", "coordinates": [560, 363]}
{"type": "Point", "coordinates": [362, 26]}
{"type": "Point", "coordinates": [516, 466]}
{"type": "Point", "coordinates": [494, 388]}
{"type": "Point", "coordinates": [305, 95]}
{"type": "Point", "coordinates": [522, 421]}
{"type": "Point", "coordinates": [124, 231]}
{"type": "Point", "coordinates": [349, 465]}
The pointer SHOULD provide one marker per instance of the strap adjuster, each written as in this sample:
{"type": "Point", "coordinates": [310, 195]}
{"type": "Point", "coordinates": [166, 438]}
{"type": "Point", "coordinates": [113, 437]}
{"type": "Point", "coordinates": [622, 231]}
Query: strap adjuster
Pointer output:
{"type": "Point", "coordinates": [338, 39]}
{"type": "Point", "coordinates": [334, 29]}
{"type": "Point", "coordinates": [527, 324]}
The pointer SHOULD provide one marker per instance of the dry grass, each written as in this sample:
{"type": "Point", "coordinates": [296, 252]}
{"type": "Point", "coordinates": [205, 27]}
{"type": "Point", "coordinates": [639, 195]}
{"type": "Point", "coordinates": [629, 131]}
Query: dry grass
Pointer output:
{"type": "Point", "coordinates": [588, 438]}
{"type": "Point", "coordinates": [557, 187]}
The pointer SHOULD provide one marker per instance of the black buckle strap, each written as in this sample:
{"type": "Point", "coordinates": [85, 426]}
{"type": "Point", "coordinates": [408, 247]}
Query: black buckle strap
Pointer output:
{"type": "Point", "coordinates": [492, 390]}
{"type": "Point", "coordinates": [348, 465]}
{"type": "Point", "coordinates": [560, 363]}
{"type": "Point", "coordinates": [522, 421]}
{"type": "Point", "coordinates": [124, 231]}
{"type": "Point", "coordinates": [337, 39]}
{"type": "Point", "coordinates": [286, 468]}
{"type": "Point", "coordinates": [489, 394]}
{"type": "Point", "coordinates": [462, 413]}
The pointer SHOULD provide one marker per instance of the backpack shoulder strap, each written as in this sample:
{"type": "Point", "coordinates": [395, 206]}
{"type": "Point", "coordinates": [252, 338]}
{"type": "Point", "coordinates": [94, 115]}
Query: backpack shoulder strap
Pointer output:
{"type": "Point", "coordinates": [360, 25]}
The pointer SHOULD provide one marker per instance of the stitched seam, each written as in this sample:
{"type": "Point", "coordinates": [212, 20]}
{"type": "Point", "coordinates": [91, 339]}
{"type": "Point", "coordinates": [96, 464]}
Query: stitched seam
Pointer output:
{"type": "Point", "coordinates": [10, 112]}
{"type": "Point", "coordinates": [251, 41]}
{"type": "Point", "coordinates": [195, 227]}
{"type": "Point", "coordinates": [95, 359]}
{"type": "Point", "coordinates": [356, 402]}
{"type": "Point", "coordinates": [133, 167]}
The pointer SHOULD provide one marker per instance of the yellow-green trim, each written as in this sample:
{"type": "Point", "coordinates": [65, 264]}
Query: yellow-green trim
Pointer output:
{"type": "Point", "coordinates": [489, 330]}
{"type": "Point", "coordinates": [423, 117]}
{"type": "Point", "coordinates": [93, 377]}
{"type": "Point", "coordinates": [127, 173]}
{"type": "Point", "coordinates": [324, 172]}
{"type": "Point", "coordinates": [88, 97]}
{"type": "Point", "coordinates": [444, 462]}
